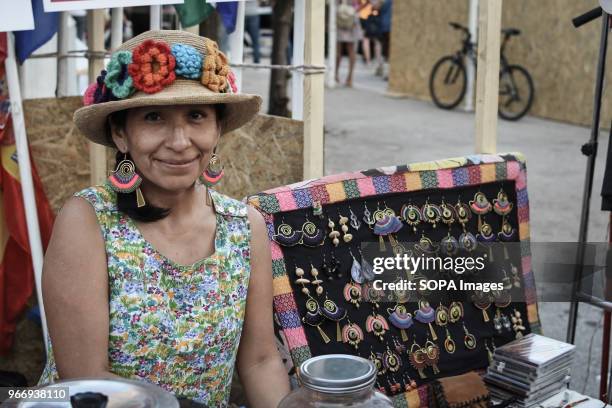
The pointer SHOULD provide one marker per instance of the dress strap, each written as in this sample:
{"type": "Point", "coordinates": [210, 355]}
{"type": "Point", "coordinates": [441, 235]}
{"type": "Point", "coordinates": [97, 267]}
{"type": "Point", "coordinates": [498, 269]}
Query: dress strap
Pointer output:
{"type": "Point", "coordinates": [227, 206]}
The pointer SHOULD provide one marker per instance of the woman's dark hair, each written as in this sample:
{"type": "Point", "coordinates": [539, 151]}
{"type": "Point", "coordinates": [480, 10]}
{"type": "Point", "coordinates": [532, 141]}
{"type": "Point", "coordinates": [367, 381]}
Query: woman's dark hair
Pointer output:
{"type": "Point", "coordinates": [126, 202]}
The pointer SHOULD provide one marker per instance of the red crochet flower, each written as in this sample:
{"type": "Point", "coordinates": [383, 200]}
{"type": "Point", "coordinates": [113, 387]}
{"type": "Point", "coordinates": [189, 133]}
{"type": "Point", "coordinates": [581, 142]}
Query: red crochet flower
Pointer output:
{"type": "Point", "coordinates": [152, 66]}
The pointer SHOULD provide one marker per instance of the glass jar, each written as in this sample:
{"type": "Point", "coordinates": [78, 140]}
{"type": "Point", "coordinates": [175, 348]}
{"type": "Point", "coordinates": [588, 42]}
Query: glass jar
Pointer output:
{"type": "Point", "coordinates": [336, 380]}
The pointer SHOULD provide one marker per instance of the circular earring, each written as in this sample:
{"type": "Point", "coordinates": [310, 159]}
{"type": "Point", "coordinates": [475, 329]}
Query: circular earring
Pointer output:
{"type": "Point", "coordinates": [213, 172]}
{"type": "Point", "coordinates": [125, 179]}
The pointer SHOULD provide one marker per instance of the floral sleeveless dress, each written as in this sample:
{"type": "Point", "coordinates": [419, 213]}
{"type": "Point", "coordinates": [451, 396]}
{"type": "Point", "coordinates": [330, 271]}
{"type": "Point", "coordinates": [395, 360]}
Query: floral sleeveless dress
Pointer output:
{"type": "Point", "coordinates": [177, 326]}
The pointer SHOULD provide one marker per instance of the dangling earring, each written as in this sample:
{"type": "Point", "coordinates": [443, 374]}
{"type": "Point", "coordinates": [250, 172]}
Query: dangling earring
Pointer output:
{"type": "Point", "coordinates": [213, 172]}
{"type": "Point", "coordinates": [125, 180]}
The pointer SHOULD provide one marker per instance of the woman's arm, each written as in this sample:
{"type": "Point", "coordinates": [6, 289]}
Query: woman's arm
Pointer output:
{"type": "Point", "coordinates": [260, 367]}
{"type": "Point", "coordinates": [75, 293]}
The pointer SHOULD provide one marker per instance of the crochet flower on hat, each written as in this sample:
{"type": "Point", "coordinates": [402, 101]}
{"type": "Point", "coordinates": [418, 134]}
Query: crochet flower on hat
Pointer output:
{"type": "Point", "coordinates": [188, 61]}
{"type": "Point", "coordinates": [216, 69]}
{"type": "Point", "coordinates": [152, 66]}
{"type": "Point", "coordinates": [117, 78]}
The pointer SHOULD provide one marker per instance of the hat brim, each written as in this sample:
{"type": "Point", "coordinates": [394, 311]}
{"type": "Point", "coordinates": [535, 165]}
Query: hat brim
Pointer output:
{"type": "Point", "coordinates": [239, 108]}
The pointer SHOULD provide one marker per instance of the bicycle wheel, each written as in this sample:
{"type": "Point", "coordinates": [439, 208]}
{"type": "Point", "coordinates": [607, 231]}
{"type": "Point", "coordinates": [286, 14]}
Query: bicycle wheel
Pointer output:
{"type": "Point", "coordinates": [515, 92]}
{"type": "Point", "coordinates": [447, 82]}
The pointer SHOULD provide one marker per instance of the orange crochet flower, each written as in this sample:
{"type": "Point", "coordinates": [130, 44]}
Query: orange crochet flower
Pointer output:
{"type": "Point", "coordinates": [152, 66]}
{"type": "Point", "coordinates": [215, 69]}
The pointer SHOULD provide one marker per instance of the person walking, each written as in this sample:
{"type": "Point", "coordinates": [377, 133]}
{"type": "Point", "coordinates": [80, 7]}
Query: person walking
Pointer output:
{"type": "Point", "coordinates": [252, 23]}
{"type": "Point", "coordinates": [348, 34]}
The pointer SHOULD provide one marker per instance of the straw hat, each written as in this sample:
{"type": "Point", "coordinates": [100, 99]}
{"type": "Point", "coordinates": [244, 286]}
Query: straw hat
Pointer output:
{"type": "Point", "coordinates": [166, 67]}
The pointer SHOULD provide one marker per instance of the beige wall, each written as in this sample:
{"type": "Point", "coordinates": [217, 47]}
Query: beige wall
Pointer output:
{"type": "Point", "coordinates": [562, 60]}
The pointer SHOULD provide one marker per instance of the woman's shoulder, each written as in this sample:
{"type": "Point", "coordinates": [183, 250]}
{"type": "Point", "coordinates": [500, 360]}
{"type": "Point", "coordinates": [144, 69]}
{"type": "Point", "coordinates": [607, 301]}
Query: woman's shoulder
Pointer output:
{"type": "Point", "coordinates": [101, 197]}
{"type": "Point", "coordinates": [228, 206]}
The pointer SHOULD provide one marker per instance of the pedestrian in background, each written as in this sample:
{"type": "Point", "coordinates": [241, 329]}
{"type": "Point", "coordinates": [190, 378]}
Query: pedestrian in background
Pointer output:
{"type": "Point", "coordinates": [252, 23]}
{"type": "Point", "coordinates": [365, 10]}
{"type": "Point", "coordinates": [348, 34]}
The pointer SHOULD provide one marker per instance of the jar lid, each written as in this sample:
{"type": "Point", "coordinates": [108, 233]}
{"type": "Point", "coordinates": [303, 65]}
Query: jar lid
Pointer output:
{"type": "Point", "coordinates": [110, 393]}
{"type": "Point", "coordinates": [337, 373]}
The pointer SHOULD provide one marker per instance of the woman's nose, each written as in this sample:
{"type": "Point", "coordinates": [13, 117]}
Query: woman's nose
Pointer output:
{"type": "Point", "coordinates": [179, 140]}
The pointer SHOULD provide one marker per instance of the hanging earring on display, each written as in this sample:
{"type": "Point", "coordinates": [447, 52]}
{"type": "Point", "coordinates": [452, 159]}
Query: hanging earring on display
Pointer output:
{"type": "Point", "coordinates": [286, 235]}
{"type": "Point", "coordinates": [485, 231]}
{"type": "Point", "coordinates": [411, 214]}
{"type": "Point", "coordinates": [497, 324]}
{"type": "Point", "coordinates": [398, 346]}
{"type": "Point", "coordinates": [449, 245]}
{"type": "Point", "coordinates": [355, 223]}
{"type": "Point", "coordinates": [317, 209]}
{"type": "Point", "coordinates": [455, 312]}
{"type": "Point", "coordinates": [352, 290]}
{"type": "Point", "coordinates": [426, 315]}
{"type": "Point", "coordinates": [489, 352]}
{"type": "Point", "coordinates": [333, 235]}
{"type": "Point", "coordinates": [426, 246]}
{"type": "Point", "coordinates": [507, 282]}
{"type": "Point", "coordinates": [367, 217]}
{"type": "Point", "coordinates": [386, 227]}
{"type": "Point", "coordinates": [334, 313]}
{"type": "Point", "coordinates": [409, 383]}
{"type": "Point", "coordinates": [469, 340]}
{"type": "Point", "coordinates": [506, 322]}
{"type": "Point", "coordinates": [299, 272]}
{"type": "Point", "coordinates": [515, 276]}
{"type": "Point", "coordinates": [381, 388]}
{"type": "Point", "coordinates": [125, 180]}
{"type": "Point", "coordinates": [501, 205]}
{"type": "Point", "coordinates": [481, 206]}
{"type": "Point", "coordinates": [447, 213]}
{"type": "Point", "coordinates": [507, 232]}
{"type": "Point", "coordinates": [377, 325]}
{"type": "Point", "coordinates": [441, 315]}
{"type": "Point", "coordinates": [377, 359]}
{"type": "Point", "coordinates": [314, 317]}
{"type": "Point", "coordinates": [400, 318]}
{"type": "Point", "coordinates": [346, 237]}
{"type": "Point", "coordinates": [352, 334]}
{"type": "Point", "coordinates": [334, 266]}
{"type": "Point", "coordinates": [433, 355]}
{"type": "Point", "coordinates": [418, 358]}
{"type": "Point", "coordinates": [482, 301]}
{"type": "Point", "coordinates": [517, 324]}
{"type": "Point", "coordinates": [463, 212]}
{"type": "Point", "coordinates": [391, 361]}
{"type": "Point", "coordinates": [449, 343]}
{"type": "Point", "coordinates": [315, 280]}
{"type": "Point", "coordinates": [326, 270]}
{"type": "Point", "coordinates": [312, 236]}
{"type": "Point", "coordinates": [431, 213]}
{"type": "Point", "coordinates": [366, 269]}
{"type": "Point", "coordinates": [395, 386]}
{"type": "Point", "coordinates": [213, 172]}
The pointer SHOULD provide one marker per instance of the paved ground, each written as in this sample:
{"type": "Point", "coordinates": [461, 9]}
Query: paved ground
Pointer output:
{"type": "Point", "coordinates": [366, 129]}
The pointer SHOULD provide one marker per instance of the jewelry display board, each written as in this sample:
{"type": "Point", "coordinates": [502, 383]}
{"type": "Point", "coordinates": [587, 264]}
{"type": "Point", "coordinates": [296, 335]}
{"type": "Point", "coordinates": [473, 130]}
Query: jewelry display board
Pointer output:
{"type": "Point", "coordinates": [324, 298]}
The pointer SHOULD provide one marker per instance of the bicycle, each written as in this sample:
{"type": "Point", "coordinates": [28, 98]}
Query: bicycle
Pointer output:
{"type": "Point", "coordinates": [448, 79]}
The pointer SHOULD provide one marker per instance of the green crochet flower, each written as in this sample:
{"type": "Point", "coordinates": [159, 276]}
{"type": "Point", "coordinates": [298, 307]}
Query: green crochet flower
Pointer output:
{"type": "Point", "coordinates": [118, 79]}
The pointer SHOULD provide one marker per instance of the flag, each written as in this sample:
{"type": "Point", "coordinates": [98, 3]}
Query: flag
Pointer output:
{"type": "Point", "coordinates": [45, 25]}
{"type": "Point", "coordinates": [193, 12]}
{"type": "Point", "coordinates": [228, 12]}
{"type": "Point", "coordinates": [16, 269]}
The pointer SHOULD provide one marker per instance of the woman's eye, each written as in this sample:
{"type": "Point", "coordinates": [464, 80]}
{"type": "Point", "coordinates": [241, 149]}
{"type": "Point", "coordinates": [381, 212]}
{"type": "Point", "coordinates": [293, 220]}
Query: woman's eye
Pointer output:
{"type": "Point", "coordinates": [197, 115]}
{"type": "Point", "coordinates": [152, 117]}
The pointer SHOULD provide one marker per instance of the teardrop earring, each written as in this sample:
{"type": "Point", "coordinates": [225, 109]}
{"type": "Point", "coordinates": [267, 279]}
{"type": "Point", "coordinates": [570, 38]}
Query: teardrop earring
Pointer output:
{"type": "Point", "coordinates": [125, 180]}
{"type": "Point", "coordinates": [213, 172]}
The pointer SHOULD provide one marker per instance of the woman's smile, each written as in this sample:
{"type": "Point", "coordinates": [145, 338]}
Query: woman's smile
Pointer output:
{"type": "Point", "coordinates": [178, 163]}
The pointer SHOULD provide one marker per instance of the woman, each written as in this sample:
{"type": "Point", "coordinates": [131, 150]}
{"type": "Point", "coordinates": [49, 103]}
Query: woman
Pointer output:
{"type": "Point", "coordinates": [152, 275]}
{"type": "Point", "coordinates": [348, 34]}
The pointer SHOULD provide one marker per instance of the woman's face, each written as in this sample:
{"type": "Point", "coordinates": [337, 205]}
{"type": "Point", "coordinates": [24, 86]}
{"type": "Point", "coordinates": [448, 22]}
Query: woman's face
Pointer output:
{"type": "Point", "coordinates": [170, 145]}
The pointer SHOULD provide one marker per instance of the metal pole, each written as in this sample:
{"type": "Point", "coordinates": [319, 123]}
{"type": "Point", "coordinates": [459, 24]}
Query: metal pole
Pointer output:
{"type": "Point", "coordinates": [236, 44]}
{"type": "Point", "coordinates": [155, 17]}
{"type": "Point", "coordinates": [297, 77]}
{"type": "Point", "coordinates": [63, 43]}
{"type": "Point", "coordinates": [469, 63]}
{"type": "Point", "coordinates": [25, 175]}
{"type": "Point", "coordinates": [116, 28]}
{"type": "Point", "coordinates": [588, 182]}
{"type": "Point", "coordinates": [331, 44]}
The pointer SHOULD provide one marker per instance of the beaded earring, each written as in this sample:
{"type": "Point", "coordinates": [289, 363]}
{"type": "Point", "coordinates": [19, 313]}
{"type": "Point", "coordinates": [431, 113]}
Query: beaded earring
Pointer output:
{"type": "Point", "coordinates": [352, 334]}
{"type": "Point", "coordinates": [125, 180]}
{"type": "Point", "coordinates": [213, 172]}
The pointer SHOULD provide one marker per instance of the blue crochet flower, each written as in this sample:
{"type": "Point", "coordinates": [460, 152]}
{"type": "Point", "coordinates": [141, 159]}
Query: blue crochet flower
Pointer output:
{"type": "Point", "coordinates": [188, 61]}
{"type": "Point", "coordinates": [118, 80]}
